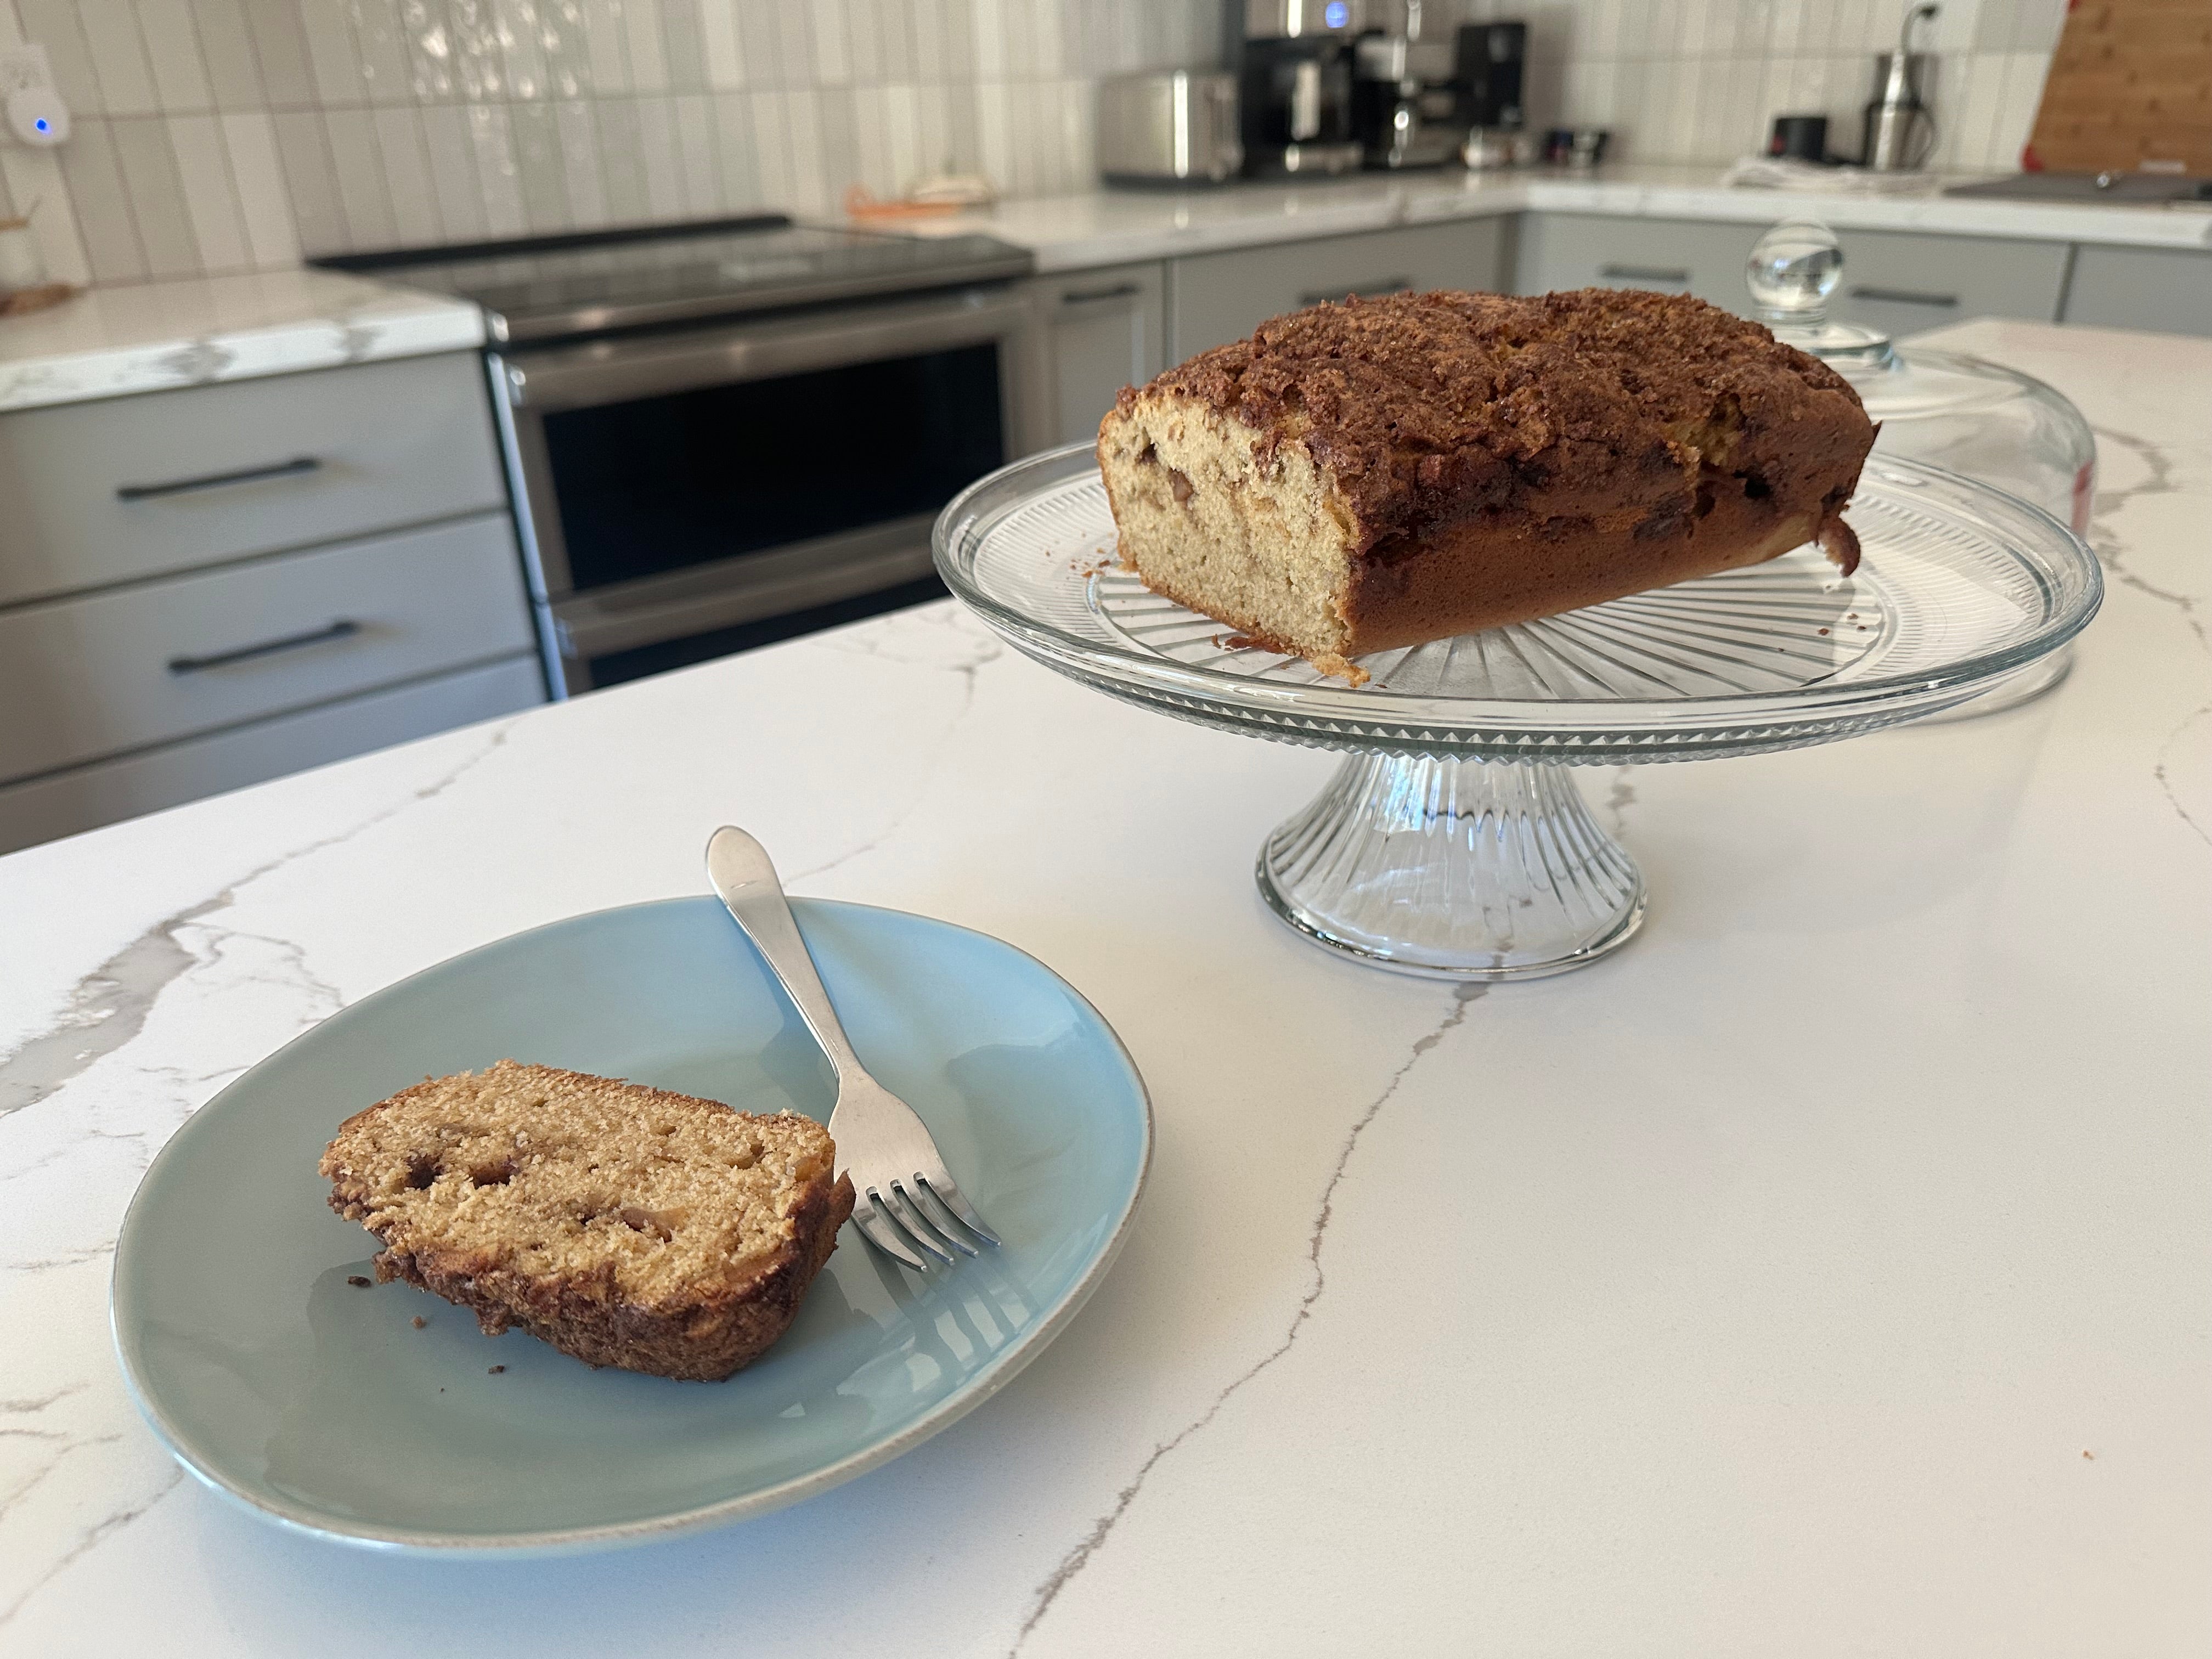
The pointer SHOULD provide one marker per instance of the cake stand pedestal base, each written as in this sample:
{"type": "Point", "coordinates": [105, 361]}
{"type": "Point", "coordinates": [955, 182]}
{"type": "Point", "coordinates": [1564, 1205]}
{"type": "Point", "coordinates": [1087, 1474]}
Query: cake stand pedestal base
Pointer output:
{"type": "Point", "coordinates": [1453, 869]}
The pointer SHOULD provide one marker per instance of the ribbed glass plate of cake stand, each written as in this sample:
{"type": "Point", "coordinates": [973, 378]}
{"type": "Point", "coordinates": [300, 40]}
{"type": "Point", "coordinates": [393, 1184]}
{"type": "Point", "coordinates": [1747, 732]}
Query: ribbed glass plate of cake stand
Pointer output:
{"type": "Point", "coordinates": [1452, 841]}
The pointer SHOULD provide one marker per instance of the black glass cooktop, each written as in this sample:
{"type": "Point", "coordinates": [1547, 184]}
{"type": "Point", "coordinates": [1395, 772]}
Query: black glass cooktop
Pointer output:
{"type": "Point", "coordinates": [553, 287]}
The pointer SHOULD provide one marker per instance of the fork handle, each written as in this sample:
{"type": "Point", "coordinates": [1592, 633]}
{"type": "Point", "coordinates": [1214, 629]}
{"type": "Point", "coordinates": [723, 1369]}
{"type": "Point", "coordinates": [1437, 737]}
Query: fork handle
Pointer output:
{"type": "Point", "coordinates": [742, 873]}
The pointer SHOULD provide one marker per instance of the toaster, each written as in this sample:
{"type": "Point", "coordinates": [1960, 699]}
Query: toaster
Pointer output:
{"type": "Point", "coordinates": [1174, 128]}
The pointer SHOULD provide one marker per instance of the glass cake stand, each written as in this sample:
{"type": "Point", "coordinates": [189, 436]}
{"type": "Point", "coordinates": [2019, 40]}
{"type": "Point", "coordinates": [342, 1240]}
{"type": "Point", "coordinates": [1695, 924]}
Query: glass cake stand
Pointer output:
{"type": "Point", "coordinates": [1452, 843]}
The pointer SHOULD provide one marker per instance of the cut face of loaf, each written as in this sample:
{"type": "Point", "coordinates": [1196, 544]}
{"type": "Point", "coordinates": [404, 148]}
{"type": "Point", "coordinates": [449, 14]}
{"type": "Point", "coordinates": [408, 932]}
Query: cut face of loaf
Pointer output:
{"type": "Point", "coordinates": [627, 1226]}
{"type": "Point", "coordinates": [1359, 478]}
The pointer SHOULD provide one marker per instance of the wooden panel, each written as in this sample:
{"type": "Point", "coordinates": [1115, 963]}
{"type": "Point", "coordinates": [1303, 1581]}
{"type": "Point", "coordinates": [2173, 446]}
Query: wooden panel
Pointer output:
{"type": "Point", "coordinates": [2130, 82]}
{"type": "Point", "coordinates": [93, 489]}
{"type": "Point", "coordinates": [102, 674]}
{"type": "Point", "coordinates": [1215, 298]}
{"type": "Point", "coordinates": [86, 796]}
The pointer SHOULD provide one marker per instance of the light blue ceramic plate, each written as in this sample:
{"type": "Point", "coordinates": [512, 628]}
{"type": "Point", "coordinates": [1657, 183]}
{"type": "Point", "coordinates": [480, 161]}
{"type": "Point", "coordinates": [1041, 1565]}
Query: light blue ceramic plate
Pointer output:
{"type": "Point", "coordinates": [319, 1404]}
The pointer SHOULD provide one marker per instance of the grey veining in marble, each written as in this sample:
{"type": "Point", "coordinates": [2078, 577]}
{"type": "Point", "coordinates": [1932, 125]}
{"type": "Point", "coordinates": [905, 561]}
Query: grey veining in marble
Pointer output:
{"type": "Point", "coordinates": [163, 335]}
{"type": "Point", "coordinates": [1813, 1276]}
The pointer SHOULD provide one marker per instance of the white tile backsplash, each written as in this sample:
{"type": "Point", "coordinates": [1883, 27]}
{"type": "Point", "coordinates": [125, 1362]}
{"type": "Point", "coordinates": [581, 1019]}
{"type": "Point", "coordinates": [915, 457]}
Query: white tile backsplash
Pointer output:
{"type": "Point", "coordinates": [227, 135]}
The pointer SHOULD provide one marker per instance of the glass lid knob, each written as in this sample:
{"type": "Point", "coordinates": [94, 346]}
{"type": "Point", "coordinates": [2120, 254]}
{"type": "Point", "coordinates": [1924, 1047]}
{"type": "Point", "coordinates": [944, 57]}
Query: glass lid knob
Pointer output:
{"type": "Point", "coordinates": [1793, 269]}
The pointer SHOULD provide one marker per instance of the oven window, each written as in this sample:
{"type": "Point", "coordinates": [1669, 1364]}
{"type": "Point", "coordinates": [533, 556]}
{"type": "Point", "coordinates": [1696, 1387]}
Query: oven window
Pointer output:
{"type": "Point", "coordinates": [662, 483]}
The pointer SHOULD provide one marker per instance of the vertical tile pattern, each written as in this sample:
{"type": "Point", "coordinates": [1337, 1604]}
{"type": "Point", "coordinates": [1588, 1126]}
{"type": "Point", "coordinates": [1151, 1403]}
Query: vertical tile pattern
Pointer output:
{"type": "Point", "coordinates": [541, 170]}
{"type": "Point", "coordinates": [226, 48]}
{"type": "Point", "coordinates": [173, 51]}
{"type": "Point", "coordinates": [303, 149]}
{"type": "Point", "coordinates": [210, 198]}
{"type": "Point", "coordinates": [406, 165]}
{"type": "Point", "coordinates": [231, 135]}
{"type": "Point", "coordinates": [119, 58]}
{"type": "Point", "coordinates": [280, 48]}
{"type": "Point", "coordinates": [272, 234]}
{"type": "Point", "coordinates": [94, 179]}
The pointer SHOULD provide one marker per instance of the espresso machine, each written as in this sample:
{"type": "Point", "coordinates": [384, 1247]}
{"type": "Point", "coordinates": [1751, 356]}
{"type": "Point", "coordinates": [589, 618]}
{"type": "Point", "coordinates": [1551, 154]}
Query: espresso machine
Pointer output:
{"type": "Point", "coordinates": [1294, 61]}
{"type": "Point", "coordinates": [1487, 65]}
{"type": "Point", "coordinates": [1405, 107]}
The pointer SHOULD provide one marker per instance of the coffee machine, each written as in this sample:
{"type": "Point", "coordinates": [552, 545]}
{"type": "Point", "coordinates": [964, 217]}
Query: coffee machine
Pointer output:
{"type": "Point", "coordinates": [1293, 60]}
{"type": "Point", "coordinates": [1487, 65]}
{"type": "Point", "coordinates": [1404, 106]}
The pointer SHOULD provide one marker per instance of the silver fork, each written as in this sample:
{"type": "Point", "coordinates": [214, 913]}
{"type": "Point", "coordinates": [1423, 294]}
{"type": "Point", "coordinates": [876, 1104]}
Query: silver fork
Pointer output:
{"type": "Point", "coordinates": [902, 1190]}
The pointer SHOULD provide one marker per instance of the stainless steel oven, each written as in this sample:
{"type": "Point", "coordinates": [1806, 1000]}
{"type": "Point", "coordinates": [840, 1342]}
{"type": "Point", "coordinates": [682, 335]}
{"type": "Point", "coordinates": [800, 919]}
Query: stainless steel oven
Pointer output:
{"type": "Point", "coordinates": [718, 435]}
{"type": "Point", "coordinates": [692, 492]}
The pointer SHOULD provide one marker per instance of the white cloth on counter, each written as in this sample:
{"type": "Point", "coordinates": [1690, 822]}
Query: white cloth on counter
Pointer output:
{"type": "Point", "coordinates": [1787, 172]}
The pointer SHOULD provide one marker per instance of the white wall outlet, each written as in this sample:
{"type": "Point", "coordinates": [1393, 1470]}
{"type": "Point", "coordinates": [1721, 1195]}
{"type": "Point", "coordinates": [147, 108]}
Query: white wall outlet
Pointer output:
{"type": "Point", "coordinates": [35, 112]}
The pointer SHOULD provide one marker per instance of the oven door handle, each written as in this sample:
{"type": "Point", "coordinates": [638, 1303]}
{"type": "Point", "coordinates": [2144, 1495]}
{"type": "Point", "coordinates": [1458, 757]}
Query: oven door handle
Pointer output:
{"type": "Point", "coordinates": [619, 369]}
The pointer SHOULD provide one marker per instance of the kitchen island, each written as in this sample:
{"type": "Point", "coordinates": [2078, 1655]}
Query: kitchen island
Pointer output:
{"type": "Point", "coordinates": [1823, 1274]}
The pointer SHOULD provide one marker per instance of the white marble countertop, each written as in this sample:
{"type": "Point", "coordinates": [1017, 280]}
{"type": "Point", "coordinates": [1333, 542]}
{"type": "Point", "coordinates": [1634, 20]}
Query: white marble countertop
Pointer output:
{"type": "Point", "coordinates": [153, 337]}
{"type": "Point", "coordinates": [1825, 1273]}
{"type": "Point", "coordinates": [1105, 226]}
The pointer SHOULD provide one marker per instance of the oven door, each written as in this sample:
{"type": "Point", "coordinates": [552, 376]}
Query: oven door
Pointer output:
{"type": "Point", "coordinates": [677, 490]}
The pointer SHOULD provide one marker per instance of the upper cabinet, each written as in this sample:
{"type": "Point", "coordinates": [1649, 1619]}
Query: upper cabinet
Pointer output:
{"type": "Point", "coordinates": [1215, 298]}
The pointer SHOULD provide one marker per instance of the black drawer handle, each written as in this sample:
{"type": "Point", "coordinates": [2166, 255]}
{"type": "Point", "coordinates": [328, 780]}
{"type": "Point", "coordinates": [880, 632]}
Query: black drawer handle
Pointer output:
{"type": "Point", "coordinates": [292, 469]}
{"type": "Point", "coordinates": [343, 629]}
{"type": "Point", "coordinates": [1384, 285]}
{"type": "Point", "coordinates": [1091, 297]}
{"type": "Point", "coordinates": [1904, 296]}
{"type": "Point", "coordinates": [1643, 274]}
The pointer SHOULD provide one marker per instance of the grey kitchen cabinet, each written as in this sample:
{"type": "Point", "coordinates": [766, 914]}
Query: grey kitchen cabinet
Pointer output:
{"type": "Point", "coordinates": [63, 802]}
{"type": "Point", "coordinates": [150, 662]}
{"type": "Point", "coordinates": [1671, 256]}
{"type": "Point", "coordinates": [1900, 281]}
{"type": "Point", "coordinates": [2166, 289]}
{"type": "Point", "coordinates": [1214, 298]}
{"type": "Point", "coordinates": [208, 586]}
{"type": "Point", "coordinates": [132, 487]}
{"type": "Point", "coordinates": [1903, 281]}
{"type": "Point", "coordinates": [1102, 329]}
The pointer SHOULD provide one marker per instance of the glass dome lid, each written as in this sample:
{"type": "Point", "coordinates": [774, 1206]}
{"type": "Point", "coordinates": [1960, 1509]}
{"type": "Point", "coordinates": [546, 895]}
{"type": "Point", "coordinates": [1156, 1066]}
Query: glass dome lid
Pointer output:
{"type": "Point", "coordinates": [1978, 417]}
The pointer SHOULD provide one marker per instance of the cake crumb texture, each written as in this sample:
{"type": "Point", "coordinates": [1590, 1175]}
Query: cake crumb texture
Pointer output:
{"type": "Point", "coordinates": [625, 1225]}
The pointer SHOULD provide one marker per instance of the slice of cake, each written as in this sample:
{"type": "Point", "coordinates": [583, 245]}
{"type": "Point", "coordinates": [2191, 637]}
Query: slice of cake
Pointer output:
{"type": "Point", "coordinates": [625, 1225]}
{"type": "Point", "coordinates": [1380, 473]}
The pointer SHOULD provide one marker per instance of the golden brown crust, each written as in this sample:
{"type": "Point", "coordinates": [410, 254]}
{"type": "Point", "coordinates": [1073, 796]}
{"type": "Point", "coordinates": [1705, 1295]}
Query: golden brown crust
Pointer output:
{"type": "Point", "coordinates": [1497, 459]}
{"type": "Point", "coordinates": [1426, 408]}
{"type": "Point", "coordinates": [713, 1327]}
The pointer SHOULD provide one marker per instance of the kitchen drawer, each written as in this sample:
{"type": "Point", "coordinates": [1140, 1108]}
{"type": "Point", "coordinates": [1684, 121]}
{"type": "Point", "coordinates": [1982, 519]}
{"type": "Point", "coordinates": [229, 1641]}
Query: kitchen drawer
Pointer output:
{"type": "Point", "coordinates": [86, 796]}
{"type": "Point", "coordinates": [2168, 290]}
{"type": "Point", "coordinates": [1902, 282]}
{"type": "Point", "coordinates": [93, 676]}
{"type": "Point", "coordinates": [1103, 329]}
{"type": "Point", "coordinates": [1215, 298]}
{"type": "Point", "coordinates": [1560, 251]}
{"type": "Point", "coordinates": [132, 487]}
{"type": "Point", "coordinates": [1898, 281]}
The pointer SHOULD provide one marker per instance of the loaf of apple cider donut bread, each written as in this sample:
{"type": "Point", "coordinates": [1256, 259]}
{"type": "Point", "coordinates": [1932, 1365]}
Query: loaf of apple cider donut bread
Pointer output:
{"type": "Point", "coordinates": [1380, 473]}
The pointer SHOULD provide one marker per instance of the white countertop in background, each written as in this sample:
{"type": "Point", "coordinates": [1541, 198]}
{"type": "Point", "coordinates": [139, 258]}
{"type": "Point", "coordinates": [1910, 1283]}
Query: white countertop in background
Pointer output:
{"type": "Point", "coordinates": [1823, 1273]}
{"type": "Point", "coordinates": [1105, 227]}
{"type": "Point", "coordinates": [155, 335]}
{"type": "Point", "coordinates": [152, 336]}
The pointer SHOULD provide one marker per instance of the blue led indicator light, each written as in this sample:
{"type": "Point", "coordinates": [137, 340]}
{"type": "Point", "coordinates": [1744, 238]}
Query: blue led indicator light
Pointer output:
{"type": "Point", "coordinates": [41, 124]}
{"type": "Point", "coordinates": [1336, 14]}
